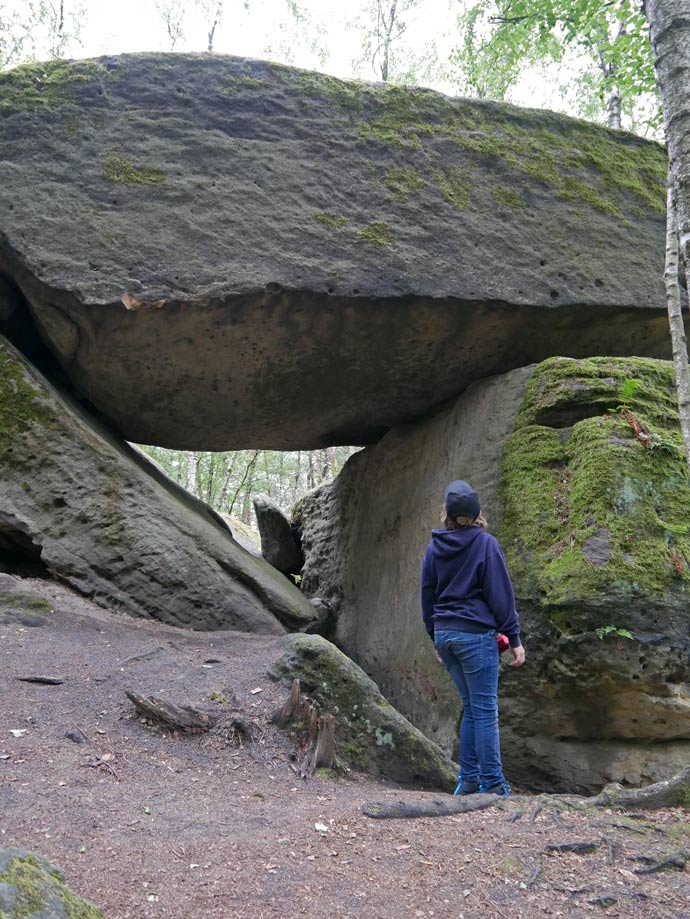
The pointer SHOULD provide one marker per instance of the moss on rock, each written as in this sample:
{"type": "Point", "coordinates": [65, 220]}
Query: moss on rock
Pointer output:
{"type": "Point", "coordinates": [117, 167]}
{"type": "Point", "coordinates": [35, 889]}
{"type": "Point", "coordinates": [370, 734]}
{"type": "Point", "coordinates": [377, 233]}
{"type": "Point", "coordinates": [47, 84]}
{"type": "Point", "coordinates": [583, 497]}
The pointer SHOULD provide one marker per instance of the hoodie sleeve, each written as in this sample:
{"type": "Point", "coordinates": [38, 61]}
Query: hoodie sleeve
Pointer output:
{"type": "Point", "coordinates": [498, 592]}
{"type": "Point", "coordinates": [428, 590]}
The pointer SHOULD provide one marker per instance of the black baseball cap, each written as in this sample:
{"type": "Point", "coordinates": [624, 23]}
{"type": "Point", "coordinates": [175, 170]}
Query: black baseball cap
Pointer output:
{"type": "Point", "coordinates": [462, 500]}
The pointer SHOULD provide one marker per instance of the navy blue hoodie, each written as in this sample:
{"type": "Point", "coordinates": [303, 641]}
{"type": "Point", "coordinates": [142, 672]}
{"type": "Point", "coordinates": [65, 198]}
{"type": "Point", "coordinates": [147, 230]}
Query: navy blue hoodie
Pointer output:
{"type": "Point", "coordinates": [466, 586]}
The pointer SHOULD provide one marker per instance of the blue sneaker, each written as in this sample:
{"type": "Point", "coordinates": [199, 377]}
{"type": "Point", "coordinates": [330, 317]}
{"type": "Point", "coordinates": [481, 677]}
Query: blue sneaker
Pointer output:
{"type": "Point", "coordinates": [502, 790]}
{"type": "Point", "coordinates": [466, 787]}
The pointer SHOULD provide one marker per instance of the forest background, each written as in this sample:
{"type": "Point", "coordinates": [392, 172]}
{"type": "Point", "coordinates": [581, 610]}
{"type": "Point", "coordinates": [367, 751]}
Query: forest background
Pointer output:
{"type": "Point", "coordinates": [585, 58]}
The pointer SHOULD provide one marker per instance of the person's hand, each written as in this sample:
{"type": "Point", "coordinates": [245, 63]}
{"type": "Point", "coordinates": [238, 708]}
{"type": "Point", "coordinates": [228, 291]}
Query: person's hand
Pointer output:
{"type": "Point", "coordinates": [438, 656]}
{"type": "Point", "coordinates": [518, 656]}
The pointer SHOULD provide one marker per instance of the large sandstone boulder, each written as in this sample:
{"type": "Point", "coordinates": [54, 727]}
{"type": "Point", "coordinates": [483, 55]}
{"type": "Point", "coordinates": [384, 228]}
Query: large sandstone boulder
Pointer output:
{"type": "Point", "coordinates": [32, 888]}
{"type": "Point", "coordinates": [370, 734]}
{"type": "Point", "coordinates": [278, 544]}
{"type": "Point", "coordinates": [594, 527]}
{"type": "Point", "coordinates": [102, 518]}
{"type": "Point", "coordinates": [226, 253]}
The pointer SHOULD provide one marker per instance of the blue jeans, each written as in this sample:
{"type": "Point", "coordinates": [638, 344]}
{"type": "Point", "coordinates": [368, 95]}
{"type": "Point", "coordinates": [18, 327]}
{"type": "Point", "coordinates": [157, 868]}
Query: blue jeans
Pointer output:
{"type": "Point", "coordinates": [472, 662]}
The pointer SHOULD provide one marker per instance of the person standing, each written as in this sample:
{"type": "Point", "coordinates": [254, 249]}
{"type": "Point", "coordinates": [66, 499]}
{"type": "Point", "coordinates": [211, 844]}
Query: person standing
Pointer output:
{"type": "Point", "coordinates": [467, 601]}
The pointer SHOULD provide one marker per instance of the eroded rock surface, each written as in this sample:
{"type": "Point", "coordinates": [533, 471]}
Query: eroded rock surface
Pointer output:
{"type": "Point", "coordinates": [101, 517]}
{"type": "Point", "coordinates": [370, 734]}
{"type": "Point", "coordinates": [591, 522]}
{"type": "Point", "coordinates": [278, 545]}
{"type": "Point", "coordinates": [226, 253]}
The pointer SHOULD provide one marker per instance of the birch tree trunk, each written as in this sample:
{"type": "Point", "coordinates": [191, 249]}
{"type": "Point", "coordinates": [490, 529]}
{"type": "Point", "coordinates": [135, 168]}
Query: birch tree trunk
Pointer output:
{"type": "Point", "coordinates": [675, 319]}
{"type": "Point", "coordinates": [669, 31]}
{"type": "Point", "coordinates": [192, 463]}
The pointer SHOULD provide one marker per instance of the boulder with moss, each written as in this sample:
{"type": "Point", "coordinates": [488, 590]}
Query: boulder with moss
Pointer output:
{"type": "Point", "coordinates": [98, 515]}
{"type": "Point", "coordinates": [580, 471]}
{"type": "Point", "coordinates": [32, 888]}
{"type": "Point", "coordinates": [370, 734]}
{"type": "Point", "coordinates": [242, 254]}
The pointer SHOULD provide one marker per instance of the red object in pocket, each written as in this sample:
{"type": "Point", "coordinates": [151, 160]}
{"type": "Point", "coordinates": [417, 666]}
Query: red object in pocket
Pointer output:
{"type": "Point", "coordinates": [503, 643]}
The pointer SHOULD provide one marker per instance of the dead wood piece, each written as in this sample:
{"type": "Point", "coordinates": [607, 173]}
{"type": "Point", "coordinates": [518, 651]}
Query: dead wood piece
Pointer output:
{"type": "Point", "coordinates": [605, 900]}
{"type": "Point", "coordinates": [623, 826]}
{"type": "Point", "coordinates": [534, 877]}
{"type": "Point", "coordinates": [673, 863]}
{"type": "Point", "coordinates": [535, 813]}
{"type": "Point", "coordinates": [316, 732]}
{"type": "Point", "coordinates": [98, 763]}
{"type": "Point", "coordinates": [43, 680]}
{"type": "Point", "coordinates": [433, 808]}
{"type": "Point", "coordinates": [612, 846]}
{"type": "Point", "coordinates": [578, 848]}
{"type": "Point", "coordinates": [179, 718]}
{"type": "Point", "coordinates": [671, 793]}
{"type": "Point", "coordinates": [241, 730]}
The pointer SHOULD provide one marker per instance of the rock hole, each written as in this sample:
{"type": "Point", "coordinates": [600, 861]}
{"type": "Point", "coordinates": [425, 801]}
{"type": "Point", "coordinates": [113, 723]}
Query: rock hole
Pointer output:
{"type": "Point", "coordinates": [598, 282]}
{"type": "Point", "coordinates": [554, 294]}
{"type": "Point", "coordinates": [19, 553]}
{"type": "Point", "coordinates": [542, 262]}
{"type": "Point", "coordinates": [59, 502]}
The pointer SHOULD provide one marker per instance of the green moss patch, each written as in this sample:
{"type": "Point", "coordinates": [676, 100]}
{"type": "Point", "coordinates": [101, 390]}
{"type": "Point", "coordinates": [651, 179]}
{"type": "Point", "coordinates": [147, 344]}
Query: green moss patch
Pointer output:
{"type": "Point", "coordinates": [37, 889]}
{"type": "Point", "coordinates": [507, 196]}
{"type": "Point", "coordinates": [455, 186]}
{"type": "Point", "coordinates": [22, 407]}
{"type": "Point", "coordinates": [119, 168]}
{"type": "Point", "coordinates": [377, 234]}
{"type": "Point", "coordinates": [331, 221]}
{"type": "Point", "coordinates": [48, 84]}
{"type": "Point", "coordinates": [583, 496]}
{"type": "Point", "coordinates": [403, 184]}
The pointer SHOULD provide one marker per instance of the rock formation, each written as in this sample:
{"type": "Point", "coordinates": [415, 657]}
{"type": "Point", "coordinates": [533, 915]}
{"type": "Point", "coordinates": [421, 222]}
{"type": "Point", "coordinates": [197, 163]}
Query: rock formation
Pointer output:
{"type": "Point", "coordinates": [99, 516]}
{"type": "Point", "coordinates": [32, 888]}
{"type": "Point", "coordinates": [226, 253]}
{"type": "Point", "coordinates": [581, 475]}
{"type": "Point", "coordinates": [372, 736]}
{"type": "Point", "coordinates": [278, 545]}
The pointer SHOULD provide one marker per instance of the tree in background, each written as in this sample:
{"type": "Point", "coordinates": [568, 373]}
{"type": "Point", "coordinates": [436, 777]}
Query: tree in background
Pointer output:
{"type": "Point", "coordinates": [227, 481]}
{"type": "Point", "coordinates": [172, 14]}
{"type": "Point", "coordinates": [669, 29]}
{"type": "Point", "coordinates": [607, 43]}
{"type": "Point", "coordinates": [37, 29]}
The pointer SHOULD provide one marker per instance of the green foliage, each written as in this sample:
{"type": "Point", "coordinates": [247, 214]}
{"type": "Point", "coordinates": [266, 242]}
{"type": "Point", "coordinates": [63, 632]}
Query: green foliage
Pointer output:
{"type": "Point", "coordinates": [507, 196]}
{"type": "Point", "coordinates": [626, 393]}
{"type": "Point", "coordinates": [117, 167]}
{"type": "Point", "coordinates": [501, 40]}
{"type": "Point", "coordinates": [47, 85]}
{"type": "Point", "coordinates": [605, 630]}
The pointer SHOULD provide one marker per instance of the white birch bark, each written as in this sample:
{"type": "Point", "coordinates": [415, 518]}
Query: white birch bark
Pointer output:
{"type": "Point", "coordinates": [192, 463]}
{"type": "Point", "coordinates": [669, 29]}
{"type": "Point", "coordinates": [675, 319]}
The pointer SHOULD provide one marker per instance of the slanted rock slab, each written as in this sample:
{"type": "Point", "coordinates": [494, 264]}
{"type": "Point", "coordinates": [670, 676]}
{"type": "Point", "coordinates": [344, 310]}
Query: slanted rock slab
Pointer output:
{"type": "Point", "coordinates": [225, 253]}
{"type": "Point", "coordinates": [370, 734]}
{"type": "Point", "coordinates": [101, 517]}
{"type": "Point", "coordinates": [32, 888]}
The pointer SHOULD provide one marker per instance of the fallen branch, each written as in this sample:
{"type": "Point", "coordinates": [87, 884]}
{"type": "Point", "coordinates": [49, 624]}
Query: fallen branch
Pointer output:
{"type": "Point", "coordinates": [673, 793]}
{"type": "Point", "coordinates": [433, 808]}
{"type": "Point", "coordinates": [578, 848]}
{"type": "Point", "coordinates": [674, 863]}
{"type": "Point", "coordinates": [176, 717]}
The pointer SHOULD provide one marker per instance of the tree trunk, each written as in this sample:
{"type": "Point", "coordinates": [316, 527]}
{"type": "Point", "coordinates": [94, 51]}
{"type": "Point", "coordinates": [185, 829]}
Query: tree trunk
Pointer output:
{"type": "Point", "coordinates": [669, 29]}
{"type": "Point", "coordinates": [613, 108]}
{"type": "Point", "coordinates": [192, 463]}
{"type": "Point", "coordinates": [675, 319]}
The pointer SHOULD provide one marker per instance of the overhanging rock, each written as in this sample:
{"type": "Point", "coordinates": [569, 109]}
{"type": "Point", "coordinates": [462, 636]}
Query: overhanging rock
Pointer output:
{"type": "Point", "coordinates": [226, 253]}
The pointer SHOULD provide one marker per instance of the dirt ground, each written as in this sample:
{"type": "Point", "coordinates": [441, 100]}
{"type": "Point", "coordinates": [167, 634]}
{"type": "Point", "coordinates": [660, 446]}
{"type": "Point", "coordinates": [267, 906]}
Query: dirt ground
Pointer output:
{"type": "Point", "coordinates": [149, 824]}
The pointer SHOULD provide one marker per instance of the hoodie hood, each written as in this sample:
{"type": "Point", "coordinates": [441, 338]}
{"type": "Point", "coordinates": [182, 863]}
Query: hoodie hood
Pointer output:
{"type": "Point", "coordinates": [449, 543]}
